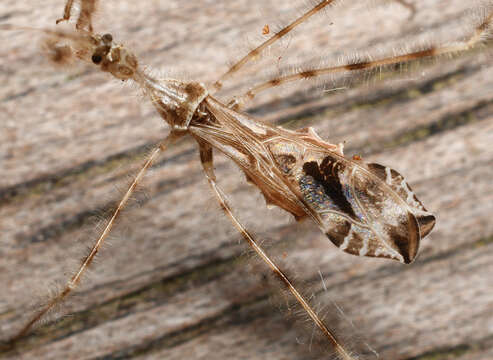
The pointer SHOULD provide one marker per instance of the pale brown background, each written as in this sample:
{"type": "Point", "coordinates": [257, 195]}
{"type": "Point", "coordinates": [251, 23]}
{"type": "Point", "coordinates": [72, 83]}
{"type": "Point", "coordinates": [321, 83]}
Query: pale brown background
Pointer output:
{"type": "Point", "coordinates": [174, 282]}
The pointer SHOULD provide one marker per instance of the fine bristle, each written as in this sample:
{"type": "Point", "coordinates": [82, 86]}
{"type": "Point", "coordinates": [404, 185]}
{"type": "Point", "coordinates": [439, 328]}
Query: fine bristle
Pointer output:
{"type": "Point", "coordinates": [480, 34]}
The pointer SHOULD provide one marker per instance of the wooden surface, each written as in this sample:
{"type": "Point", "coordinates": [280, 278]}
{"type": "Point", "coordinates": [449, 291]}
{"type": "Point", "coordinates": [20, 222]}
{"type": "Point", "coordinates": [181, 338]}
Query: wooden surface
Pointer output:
{"type": "Point", "coordinates": [175, 281]}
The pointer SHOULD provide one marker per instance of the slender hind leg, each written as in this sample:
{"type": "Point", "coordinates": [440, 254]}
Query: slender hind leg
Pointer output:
{"type": "Point", "coordinates": [284, 31]}
{"type": "Point", "coordinates": [476, 38]}
{"type": "Point", "coordinates": [207, 164]}
{"type": "Point", "coordinates": [74, 281]}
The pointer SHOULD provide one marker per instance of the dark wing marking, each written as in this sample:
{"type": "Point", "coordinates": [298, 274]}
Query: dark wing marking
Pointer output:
{"type": "Point", "coordinates": [396, 181]}
{"type": "Point", "coordinates": [362, 212]}
{"type": "Point", "coordinates": [365, 209]}
{"type": "Point", "coordinates": [326, 177]}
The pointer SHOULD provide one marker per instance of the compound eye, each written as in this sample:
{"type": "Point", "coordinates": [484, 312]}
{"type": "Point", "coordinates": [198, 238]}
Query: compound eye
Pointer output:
{"type": "Point", "coordinates": [107, 38]}
{"type": "Point", "coordinates": [96, 59]}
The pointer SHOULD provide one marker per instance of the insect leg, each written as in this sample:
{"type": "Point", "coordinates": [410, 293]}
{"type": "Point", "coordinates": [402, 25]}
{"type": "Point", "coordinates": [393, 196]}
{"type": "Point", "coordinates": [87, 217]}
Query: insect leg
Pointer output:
{"type": "Point", "coordinates": [207, 164]}
{"type": "Point", "coordinates": [66, 11]}
{"type": "Point", "coordinates": [478, 37]}
{"type": "Point", "coordinates": [87, 9]}
{"type": "Point", "coordinates": [284, 31]}
{"type": "Point", "coordinates": [74, 281]}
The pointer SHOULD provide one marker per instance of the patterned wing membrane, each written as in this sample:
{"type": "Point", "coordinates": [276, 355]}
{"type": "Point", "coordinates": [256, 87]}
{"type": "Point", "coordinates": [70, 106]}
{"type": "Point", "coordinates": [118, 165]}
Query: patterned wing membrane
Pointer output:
{"type": "Point", "coordinates": [364, 209]}
{"type": "Point", "coordinates": [396, 182]}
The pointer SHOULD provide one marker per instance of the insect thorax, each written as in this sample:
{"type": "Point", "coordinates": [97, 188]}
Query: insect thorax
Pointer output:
{"type": "Point", "coordinates": [176, 101]}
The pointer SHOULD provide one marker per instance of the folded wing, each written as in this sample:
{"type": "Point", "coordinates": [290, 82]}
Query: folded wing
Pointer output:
{"type": "Point", "coordinates": [364, 209]}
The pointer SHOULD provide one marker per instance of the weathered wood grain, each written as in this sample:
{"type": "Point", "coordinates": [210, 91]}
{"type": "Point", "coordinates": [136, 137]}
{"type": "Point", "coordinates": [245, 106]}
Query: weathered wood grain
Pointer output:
{"type": "Point", "coordinates": [175, 281]}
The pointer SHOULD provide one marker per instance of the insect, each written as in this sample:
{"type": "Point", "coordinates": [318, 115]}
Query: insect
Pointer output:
{"type": "Point", "coordinates": [295, 170]}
